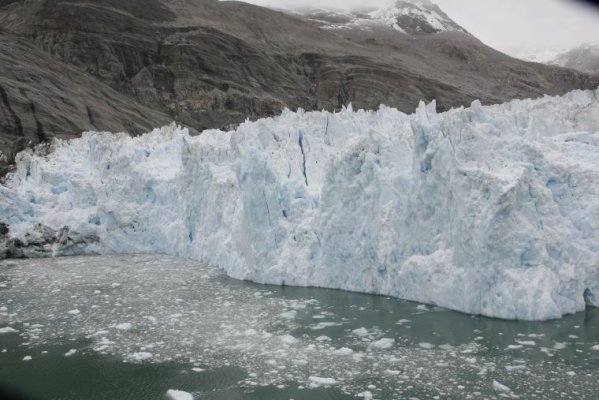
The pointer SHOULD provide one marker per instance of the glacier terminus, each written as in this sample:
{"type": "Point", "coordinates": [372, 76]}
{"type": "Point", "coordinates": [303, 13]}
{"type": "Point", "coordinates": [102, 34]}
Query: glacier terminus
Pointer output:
{"type": "Point", "coordinates": [490, 210]}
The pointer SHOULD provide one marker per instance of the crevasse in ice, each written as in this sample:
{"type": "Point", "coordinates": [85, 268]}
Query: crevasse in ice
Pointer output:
{"type": "Point", "coordinates": [487, 210]}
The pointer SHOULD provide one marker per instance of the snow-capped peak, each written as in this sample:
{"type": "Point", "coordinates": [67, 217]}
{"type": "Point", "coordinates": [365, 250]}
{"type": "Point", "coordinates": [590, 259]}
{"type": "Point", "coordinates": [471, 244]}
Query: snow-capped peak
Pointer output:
{"type": "Point", "coordinates": [413, 17]}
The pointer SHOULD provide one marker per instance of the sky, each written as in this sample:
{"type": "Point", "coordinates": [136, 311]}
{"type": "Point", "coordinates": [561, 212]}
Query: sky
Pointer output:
{"type": "Point", "coordinates": [515, 27]}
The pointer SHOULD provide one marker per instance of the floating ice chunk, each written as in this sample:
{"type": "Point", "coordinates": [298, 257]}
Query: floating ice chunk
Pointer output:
{"type": "Point", "coordinates": [74, 312]}
{"type": "Point", "coordinates": [596, 347]}
{"type": "Point", "coordinates": [501, 387]}
{"type": "Point", "coordinates": [196, 369]}
{"type": "Point", "coordinates": [515, 368]}
{"type": "Point", "coordinates": [173, 394]}
{"type": "Point", "coordinates": [316, 381]}
{"type": "Point", "coordinates": [296, 305]}
{"type": "Point", "coordinates": [514, 347]}
{"type": "Point", "coordinates": [384, 343]}
{"type": "Point", "coordinates": [343, 351]}
{"type": "Point", "coordinates": [546, 351]}
{"type": "Point", "coordinates": [425, 345]}
{"type": "Point", "coordinates": [288, 314]}
{"type": "Point", "coordinates": [8, 329]}
{"type": "Point", "coordinates": [526, 342]}
{"type": "Point", "coordinates": [288, 339]}
{"type": "Point", "coordinates": [124, 326]}
{"type": "Point", "coordinates": [536, 335]}
{"type": "Point", "coordinates": [27, 358]}
{"type": "Point", "coordinates": [141, 356]}
{"type": "Point", "coordinates": [323, 325]}
{"type": "Point", "coordinates": [367, 395]}
{"type": "Point", "coordinates": [70, 353]}
{"type": "Point", "coordinates": [361, 332]}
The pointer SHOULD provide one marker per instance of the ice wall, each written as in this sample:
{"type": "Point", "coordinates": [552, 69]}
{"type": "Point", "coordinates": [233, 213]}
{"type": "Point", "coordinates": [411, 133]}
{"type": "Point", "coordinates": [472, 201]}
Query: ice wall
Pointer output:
{"type": "Point", "coordinates": [487, 210]}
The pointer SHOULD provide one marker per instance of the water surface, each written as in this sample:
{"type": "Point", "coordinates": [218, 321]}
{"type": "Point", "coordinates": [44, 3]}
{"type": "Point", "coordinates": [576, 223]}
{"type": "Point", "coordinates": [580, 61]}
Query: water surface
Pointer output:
{"type": "Point", "coordinates": [132, 327]}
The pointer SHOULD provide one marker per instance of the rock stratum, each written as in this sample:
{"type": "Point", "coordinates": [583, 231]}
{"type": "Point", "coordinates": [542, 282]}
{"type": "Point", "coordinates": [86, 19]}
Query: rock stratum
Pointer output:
{"type": "Point", "coordinates": [488, 210]}
{"type": "Point", "coordinates": [130, 65]}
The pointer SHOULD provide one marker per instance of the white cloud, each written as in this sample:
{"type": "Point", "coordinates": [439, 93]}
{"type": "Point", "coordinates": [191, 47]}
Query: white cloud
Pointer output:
{"type": "Point", "coordinates": [520, 25]}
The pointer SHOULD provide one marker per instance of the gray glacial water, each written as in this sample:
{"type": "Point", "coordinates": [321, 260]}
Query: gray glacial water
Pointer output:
{"type": "Point", "coordinates": [132, 327]}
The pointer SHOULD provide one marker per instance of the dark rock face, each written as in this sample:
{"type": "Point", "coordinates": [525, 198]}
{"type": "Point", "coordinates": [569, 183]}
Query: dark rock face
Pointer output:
{"type": "Point", "coordinates": [41, 98]}
{"type": "Point", "coordinates": [43, 242]}
{"type": "Point", "coordinates": [129, 65]}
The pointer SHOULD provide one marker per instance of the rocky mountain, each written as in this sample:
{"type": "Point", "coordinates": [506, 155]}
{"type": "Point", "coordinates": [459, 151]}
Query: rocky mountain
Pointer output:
{"type": "Point", "coordinates": [42, 97]}
{"type": "Point", "coordinates": [584, 58]}
{"type": "Point", "coordinates": [68, 66]}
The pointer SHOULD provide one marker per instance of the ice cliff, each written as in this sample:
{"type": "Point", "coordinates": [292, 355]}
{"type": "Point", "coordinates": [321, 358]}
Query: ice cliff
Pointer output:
{"type": "Point", "coordinates": [487, 210]}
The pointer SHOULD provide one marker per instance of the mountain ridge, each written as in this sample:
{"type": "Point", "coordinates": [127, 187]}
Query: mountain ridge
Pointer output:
{"type": "Point", "coordinates": [210, 64]}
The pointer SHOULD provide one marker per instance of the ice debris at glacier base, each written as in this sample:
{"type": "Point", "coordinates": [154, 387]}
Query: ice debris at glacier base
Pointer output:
{"type": "Point", "coordinates": [487, 210]}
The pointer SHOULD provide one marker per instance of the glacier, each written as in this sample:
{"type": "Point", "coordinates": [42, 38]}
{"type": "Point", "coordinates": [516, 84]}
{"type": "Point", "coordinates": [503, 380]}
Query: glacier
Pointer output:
{"type": "Point", "coordinates": [490, 210]}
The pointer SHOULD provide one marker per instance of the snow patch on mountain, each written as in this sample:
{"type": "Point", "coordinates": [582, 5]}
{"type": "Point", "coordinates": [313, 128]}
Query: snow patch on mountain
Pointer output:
{"type": "Point", "coordinates": [584, 58]}
{"type": "Point", "coordinates": [412, 17]}
{"type": "Point", "coordinates": [487, 210]}
{"type": "Point", "coordinates": [546, 56]}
